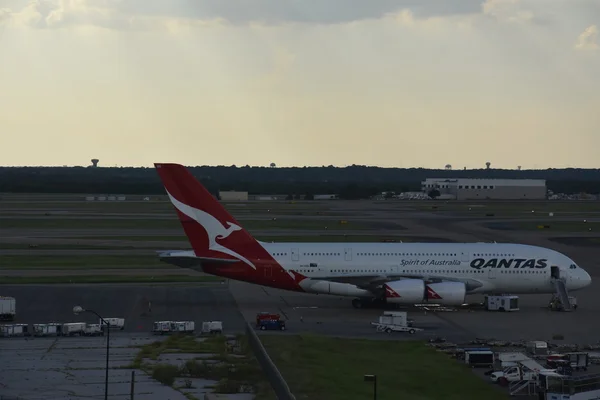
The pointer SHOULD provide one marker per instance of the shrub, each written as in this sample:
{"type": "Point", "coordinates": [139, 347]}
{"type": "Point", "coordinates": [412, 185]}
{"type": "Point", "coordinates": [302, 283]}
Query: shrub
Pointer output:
{"type": "Point", "coordinates": [165, 374]}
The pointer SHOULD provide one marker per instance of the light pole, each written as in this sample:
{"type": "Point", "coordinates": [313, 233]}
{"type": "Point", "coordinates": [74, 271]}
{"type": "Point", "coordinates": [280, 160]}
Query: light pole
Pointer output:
{"type": "Point", "coordinates": [78, 310]}
{"type": "Point", "coordinates": [372, 378]}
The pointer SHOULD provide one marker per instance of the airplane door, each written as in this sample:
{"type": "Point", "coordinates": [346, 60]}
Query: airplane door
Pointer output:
{"type": "Point", "coordinates": [295, 255]}
{"type": "Point", "coordinates": [464, 257]}
{"type": "Point", "coordinates": [348, 254]}
{"type": "Point", "coordinates": [492, 273]}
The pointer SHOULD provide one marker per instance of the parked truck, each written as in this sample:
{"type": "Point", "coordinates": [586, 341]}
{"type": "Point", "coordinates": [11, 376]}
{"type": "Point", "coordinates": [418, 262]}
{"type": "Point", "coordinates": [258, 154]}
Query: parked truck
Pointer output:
{"type": "Point", "coordinates": [395, 321]}
{"type": "Point", "coordinates": [516, 373]}
{"type": "Point", "coordinates": [7, 308]}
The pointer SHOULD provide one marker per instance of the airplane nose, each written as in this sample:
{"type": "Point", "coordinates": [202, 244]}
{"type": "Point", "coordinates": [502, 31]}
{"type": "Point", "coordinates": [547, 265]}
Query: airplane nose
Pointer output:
{"type": "Point", "coordinates": [586, 279]}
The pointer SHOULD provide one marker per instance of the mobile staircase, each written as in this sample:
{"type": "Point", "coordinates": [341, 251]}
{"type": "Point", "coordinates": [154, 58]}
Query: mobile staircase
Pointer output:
{"type": "Point", "coordinates": [523, 388]}
{"type": "Point", "coordinates": [563, 295]}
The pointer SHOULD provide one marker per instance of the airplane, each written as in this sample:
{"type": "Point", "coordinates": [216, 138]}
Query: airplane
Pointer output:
{"type": "Point", "coordinates": [371, 273]}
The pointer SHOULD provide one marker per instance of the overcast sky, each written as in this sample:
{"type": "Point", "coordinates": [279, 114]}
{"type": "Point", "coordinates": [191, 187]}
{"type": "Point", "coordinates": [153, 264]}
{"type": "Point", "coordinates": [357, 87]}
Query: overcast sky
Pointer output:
{"type": "Point", "coordinates": [300, 82]}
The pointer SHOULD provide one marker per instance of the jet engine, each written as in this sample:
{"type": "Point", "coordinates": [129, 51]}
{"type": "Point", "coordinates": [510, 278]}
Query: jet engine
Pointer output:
{"type": "Point", "coordinates": [447, 293]}
{"type": "Point", "coordinates": [405, 291]}
{"type": "Point", "coordinates": [415, 291]}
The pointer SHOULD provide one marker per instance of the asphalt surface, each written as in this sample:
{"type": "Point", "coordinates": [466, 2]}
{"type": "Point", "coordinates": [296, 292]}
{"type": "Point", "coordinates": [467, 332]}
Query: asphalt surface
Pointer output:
{"type": "Point", "coordinates": [181, 302]}
{"type": "Point", "coordinates": [240, 301]}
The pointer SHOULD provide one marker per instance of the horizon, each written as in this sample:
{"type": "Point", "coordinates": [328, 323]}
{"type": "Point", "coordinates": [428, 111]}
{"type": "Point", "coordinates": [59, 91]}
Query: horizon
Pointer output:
{"type": "Point", "coordinates": [392, 83]}
{"type": "Point", "coordinates": [302, 166]}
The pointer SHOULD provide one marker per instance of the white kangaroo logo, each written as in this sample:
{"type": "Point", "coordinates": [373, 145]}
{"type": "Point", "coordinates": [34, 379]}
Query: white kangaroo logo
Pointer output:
{"type": "Point", "coordinates": [213, 227]}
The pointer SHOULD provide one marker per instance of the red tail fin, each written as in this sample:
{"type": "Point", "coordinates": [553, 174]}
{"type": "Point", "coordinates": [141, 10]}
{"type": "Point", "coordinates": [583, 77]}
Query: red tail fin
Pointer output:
{"type": "Point", "coordinates": [211, 229]}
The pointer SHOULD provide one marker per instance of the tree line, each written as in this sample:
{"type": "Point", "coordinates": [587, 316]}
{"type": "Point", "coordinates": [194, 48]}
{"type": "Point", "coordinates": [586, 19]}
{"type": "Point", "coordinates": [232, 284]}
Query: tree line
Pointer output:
{"type": "Point", "coordinates": [351, 182]}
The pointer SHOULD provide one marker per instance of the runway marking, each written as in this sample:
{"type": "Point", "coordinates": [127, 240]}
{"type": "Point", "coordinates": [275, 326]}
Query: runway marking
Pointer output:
{"type": "Point", "coordinates": [54, 343]}
{"type": "Point", "coordinates": [285, 301]}
{"type": "Point", "coordinates": [283, 312]}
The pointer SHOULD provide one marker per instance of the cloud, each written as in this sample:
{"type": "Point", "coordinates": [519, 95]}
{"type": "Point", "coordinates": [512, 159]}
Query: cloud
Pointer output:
{"type": "Point", "coordinates": [106, 14]}
{"type": "Point", "coordinates": [507, 10]}
{"type": "Point", "coordinates": [304, 82]}
{"type": "Point", "coordinates": [152, 14]}
{"type": "Point", "coordinates": [588, 40]}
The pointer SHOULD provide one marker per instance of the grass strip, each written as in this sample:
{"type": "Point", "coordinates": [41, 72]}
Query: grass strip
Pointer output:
{"type": "Point", "coordinates": [80, 262]}
{"type": "Point", "coordinates": [327, 368]}
{"type": "Point", "coordinates": [298, 238]}
{"type": "Point", "coordinates": [229, 363]}
{"type": "Point", "coordinates": [146, 223]}
{"type": "Point", "coordinates": [16, 280]}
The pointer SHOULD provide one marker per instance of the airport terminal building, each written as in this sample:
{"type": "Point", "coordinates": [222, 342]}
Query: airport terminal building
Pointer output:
{"type": "Point", "coordinates": [492, 189]}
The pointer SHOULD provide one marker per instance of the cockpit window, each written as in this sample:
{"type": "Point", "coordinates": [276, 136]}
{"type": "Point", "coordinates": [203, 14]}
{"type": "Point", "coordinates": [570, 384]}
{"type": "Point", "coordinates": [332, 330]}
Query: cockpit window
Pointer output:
{"type": "Point", "coordinates": [573, 266]}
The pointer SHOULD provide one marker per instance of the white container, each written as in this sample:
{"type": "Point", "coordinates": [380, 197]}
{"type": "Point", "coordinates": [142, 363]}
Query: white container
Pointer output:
{"type": "Point", "coordinates": [398, 318]}
{"type": "Point", "coordinates": [183, 326]}
{"type": "Point", "coordinates": [45, 329]}
{"type": "Point", "coordinates": [161, 326]}
{"type": "Point", "coordinates": [115, 323]}
{"type": "Point", "coordinates": [212, 327]}
{"type": "Point", "coordinates": [8, 306]}
{"type": "Point", "coordinates": [93, 330]}
{"type": "Point", "coordinates": [73, 328]}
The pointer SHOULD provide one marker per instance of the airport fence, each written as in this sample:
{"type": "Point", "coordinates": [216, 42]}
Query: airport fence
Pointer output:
{"type": "Point", "coordinates": [279, 385]}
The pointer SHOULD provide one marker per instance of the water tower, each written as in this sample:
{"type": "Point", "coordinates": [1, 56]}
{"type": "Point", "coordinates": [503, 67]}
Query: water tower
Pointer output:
{"type": "Point", "coordinates": [95, 162]}
{"type": "Point", "coordinates": [487, 165]}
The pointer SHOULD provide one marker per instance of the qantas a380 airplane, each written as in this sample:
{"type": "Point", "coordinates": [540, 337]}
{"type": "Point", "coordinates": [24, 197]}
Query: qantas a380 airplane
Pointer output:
{"type": "Point", "coordinates": [400, 273]}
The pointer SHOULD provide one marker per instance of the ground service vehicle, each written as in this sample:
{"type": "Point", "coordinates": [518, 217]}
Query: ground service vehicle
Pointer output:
{"type": "Point", "coordinates": [394, 321]}
{"type": "Point", "coordinates": [502, 303]}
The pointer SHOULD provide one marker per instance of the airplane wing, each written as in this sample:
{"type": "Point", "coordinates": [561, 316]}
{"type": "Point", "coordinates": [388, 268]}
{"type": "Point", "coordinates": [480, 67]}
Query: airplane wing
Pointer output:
{"type": "Point", "coordinates": [187, 259]}
{"type": "Point", "coordinates": [374, 282]}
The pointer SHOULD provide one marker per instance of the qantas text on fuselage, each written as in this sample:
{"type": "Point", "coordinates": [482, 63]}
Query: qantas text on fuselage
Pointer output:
{"type": "Point", "coordinates": [404, 273]}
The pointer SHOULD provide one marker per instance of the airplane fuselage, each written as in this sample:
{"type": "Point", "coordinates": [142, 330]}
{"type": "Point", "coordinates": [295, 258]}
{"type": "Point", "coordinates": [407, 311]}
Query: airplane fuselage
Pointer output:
{"type": "Point", "coordinates": [484, 267]}
{"type": "Point", "coordinates": [399, 273]}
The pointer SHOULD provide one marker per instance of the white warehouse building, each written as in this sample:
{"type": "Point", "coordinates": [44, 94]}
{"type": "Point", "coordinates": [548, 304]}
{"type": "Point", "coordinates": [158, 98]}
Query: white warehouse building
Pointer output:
{"type": "Point", "coordinates": [492, 189]}
{"type": "Point", "coordinates": [232, 195]}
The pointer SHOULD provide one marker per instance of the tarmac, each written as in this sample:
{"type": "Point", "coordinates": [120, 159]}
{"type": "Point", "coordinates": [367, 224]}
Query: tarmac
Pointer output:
{"type": "Point", "coordinates": [235, 302]}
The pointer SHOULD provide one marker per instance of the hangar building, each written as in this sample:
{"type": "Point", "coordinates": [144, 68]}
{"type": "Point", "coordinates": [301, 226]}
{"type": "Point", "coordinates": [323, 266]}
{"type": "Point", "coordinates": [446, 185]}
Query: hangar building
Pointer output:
{"type": "Point", "coordinates": [492, 189]}
{"type": "Point", "coordinates": [232, 195]}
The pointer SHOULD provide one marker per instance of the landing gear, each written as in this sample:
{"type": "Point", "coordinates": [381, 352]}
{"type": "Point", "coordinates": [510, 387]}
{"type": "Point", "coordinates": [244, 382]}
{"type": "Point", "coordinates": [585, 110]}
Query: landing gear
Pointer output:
{"type": "Point", "coordinates": [369, 303]}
